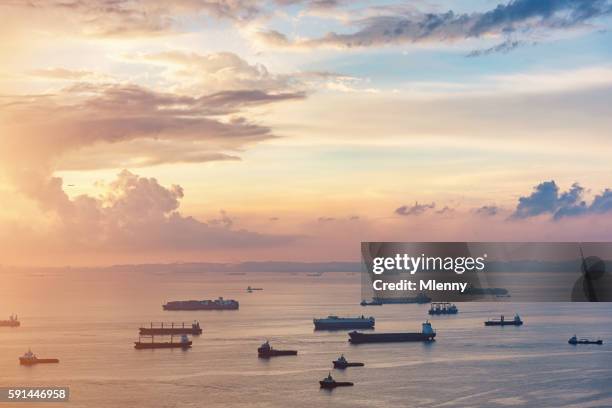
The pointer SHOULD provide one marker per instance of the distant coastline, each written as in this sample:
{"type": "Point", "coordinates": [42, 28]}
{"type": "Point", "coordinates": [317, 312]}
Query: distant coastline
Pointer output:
{"type": "Point", "coordinates": [303, 267]}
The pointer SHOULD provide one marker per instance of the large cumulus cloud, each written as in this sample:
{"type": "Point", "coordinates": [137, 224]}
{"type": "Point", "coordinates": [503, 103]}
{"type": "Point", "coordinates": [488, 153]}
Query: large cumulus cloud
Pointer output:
{"type": "Point", "coordinates": [137, 213]}
{"type": "Point", "coordinates": [547, 199]}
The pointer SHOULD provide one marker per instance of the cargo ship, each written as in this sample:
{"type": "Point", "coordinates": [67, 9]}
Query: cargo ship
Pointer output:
{"type": "Point", "coordinates": [13, 321]}
{"type": "Point", "coordinates": [30, 358]}
{"type": "Point", "coordinates": [172, 329]}
{"type": "Point", "coordinates": [250, 289]}
{"type": "Point", "coordinates": [267, 351]}
{"type": "Point", "coordinates": [329, 382]}
{"type": "Point", "coordinates": [575, 340]}
{"type": "Point", "coordinates": [371, 303]}
{"type": "Point", "coordinates": [218, 304]}
{"type": "Point", "coordinates": [340, 323]}
{"type": "Point", "coordinates": [443, 308]}
{"type": "Point", "coordinates": [421, 298]}
{"type": "Point", "coordinates": [503, 322]}
{"type": "Point", "coordinates": [184, 343]}
{"type": "Point", "coordinates": [342, 363]}
{"type": "Point", "coordinates": [427, 334]}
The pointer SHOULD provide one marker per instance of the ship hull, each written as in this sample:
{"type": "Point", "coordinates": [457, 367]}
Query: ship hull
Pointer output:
{"type": "Point", "coordinates": [277, 353]}
{"type": "Point", "coordinates": [346, 365]}
{"type": "Point", "coordinates": [585, 342]}
{"type": "Point", "coordinates": [438, 313]}
{"type": "Point", "coordinates": [9, 324]}
{"type": "Point", "coordinates": [359, 338]}
{"type": "Point", "coordinates": [170, 307]}
{"type": "Point", "coordinates": [29, 362]}
{"type": "Point", "coordinates": [339, 325]}
{"type": "Point", "coordinates": [498, 323]}
{"type": "Point", "coordinates": [169, 331]}
{"type": "Point", "coordinates": [142, 346]}
{"type": "Point", "coordinates": [335, 384]}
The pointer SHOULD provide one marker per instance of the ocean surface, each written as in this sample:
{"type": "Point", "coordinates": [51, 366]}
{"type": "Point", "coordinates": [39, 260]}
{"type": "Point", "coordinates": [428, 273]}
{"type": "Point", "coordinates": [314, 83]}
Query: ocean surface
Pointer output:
{"type": "Point", "coordinates": [90, 321]}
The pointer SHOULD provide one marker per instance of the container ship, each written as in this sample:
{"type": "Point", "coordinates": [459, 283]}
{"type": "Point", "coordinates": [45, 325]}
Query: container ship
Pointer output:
{"type": "Point", "coordinates": [340, 323]}
{"type": "Point", "coordinates": [184, 343]}
{"type": "Point", "coordinates": [13, 321]}
{"type": "Point", "coordinates": [30, 358]}
{"type": "Point", "coordinates": [503, 322]}
{"type": "Point", "coordinates": [172, 329]}
{"type": "Point", "coordinates": [427, 334]}
{"type": "Point", "coordinates": [218, 304]}
{"type": "Point", "coordinates": [267, 351]}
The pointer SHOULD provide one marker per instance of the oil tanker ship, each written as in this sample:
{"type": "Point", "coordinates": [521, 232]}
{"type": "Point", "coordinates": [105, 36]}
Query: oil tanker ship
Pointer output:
{"type": "Point", "coordinates": [172, 329]}
{"type": "Point", "coordinates": [218, 304]}
{"type": "Point", "coordinates": [427, 334]}
{"type": "Point", "coordinates": [340, 323]}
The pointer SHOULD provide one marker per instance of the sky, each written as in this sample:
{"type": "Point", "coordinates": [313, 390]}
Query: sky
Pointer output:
{"type": "Point", "coordinates": [235, 130]}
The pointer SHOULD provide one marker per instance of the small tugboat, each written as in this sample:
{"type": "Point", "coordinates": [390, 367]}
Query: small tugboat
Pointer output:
{"type": "Point", "coordinates": [30, 358]}
{"type": "Point", "coordinates": [503, 322]}
{"type": "Point", "coordinates": [427, 334]}
{"type": "Point", "coordinates": [329, 382]}
{"type": "Point", "coordinates": [185, 343]}
{"type": "Point", "coordinates": [266, 351]}
{"type": "Point", "coordinates": [172, 329]}
{"type": "Point", "coordinates": [574, 340]}
{"type": "Point", "coordinates": [13, 321]}
{"type": "Point", "coordinates": [371, 303]}
{"type": "Point", "coordinates": [342, 363]}
{"type": "Point", "coordinates": [443, 308]}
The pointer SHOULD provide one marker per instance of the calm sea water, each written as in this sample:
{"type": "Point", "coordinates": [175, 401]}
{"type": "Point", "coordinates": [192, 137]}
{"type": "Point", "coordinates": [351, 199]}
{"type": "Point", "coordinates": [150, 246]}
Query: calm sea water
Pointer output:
{"type": "Point", "coordinates": [89, 321]}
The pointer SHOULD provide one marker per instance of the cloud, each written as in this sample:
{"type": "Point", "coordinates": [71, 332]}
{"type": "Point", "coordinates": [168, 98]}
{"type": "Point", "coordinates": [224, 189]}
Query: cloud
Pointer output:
{"type": "Point", "coordinates": [224, 220]}
{"type": "Point", "coordinates": [445, 210]}
{"type": "Point", "coordinates": [547, 199]}
{"type": "Point", "coordinates": [602, 203]}
{"type": "Point", "coordinates": [544, 199]}
{"type": "Point", "coordinates": [137, 213]}
{"type": "Point", "coordinates": [416, 209]}
{"type": "Point", "coordinates": [123, 18]}
{"type": "Point", "coordinates": [164, 126]}
{"type": "Point", "coordinates": [326, 219]}
{"type": "Point", "coordinates": [114, 18]}
{"type": "Point", "coordinates": [487, 210]}
{"type": "Point", "coordinates": [221, 71]}
{"type": "Point", "coordinates": [407, 26]}
{"type": "Point", "coordinates": [503, 47]}
{"type": "Point", "coordinates": [60, 73]}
